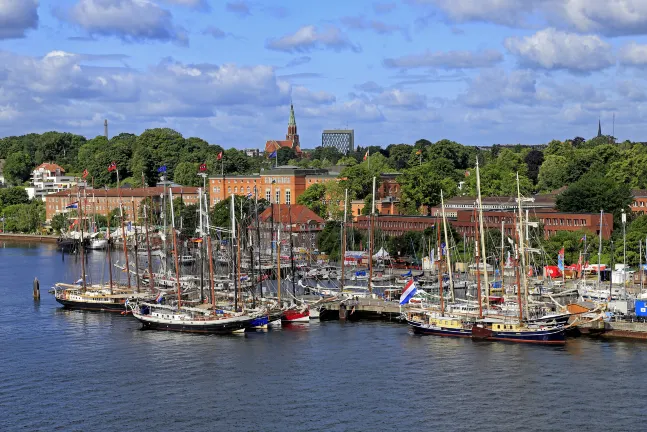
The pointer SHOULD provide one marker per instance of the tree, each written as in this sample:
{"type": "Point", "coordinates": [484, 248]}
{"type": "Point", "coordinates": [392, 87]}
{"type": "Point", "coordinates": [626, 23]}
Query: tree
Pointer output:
{"type": "Point", "coordinates": [189, 220]}
{"type": "Point", "coordinates": [284, 154]}
{"type": "Point", "coordinates": [399, 155]}
{"type": "Point", "coordinates": [17, 168]}
{"type": "Point", "coordinates": [553, 173]}
{"type": "Point", "coordinates": [313, 198]}
{"type": "Point", "coordinates": [499, 177]}
{"type": "Point", "coordinates": [533, 161]}
{"type": "Point", "coordinates": [329, 239]}
{"type": "Point", "coordinates": [451, 150]}
{"type": "Point", "coordinates": [358, 180]}
{"type": "Point", "coordinates": [60, 222]}
{"type": "Point", "coordinates": [631, 168]}
{"type": "Point", "coordinates": [331, 154]}
{"type": "Point", "coordinates": [12, 196]}
{"type": "Point", "coordinates": [420, 186]}
{"type": "Point", "coordinates": [186, 174]}
{"type": "Point", "coordinates": [594, 192]}
{"type": "Point", "coordinates": [24, 218]}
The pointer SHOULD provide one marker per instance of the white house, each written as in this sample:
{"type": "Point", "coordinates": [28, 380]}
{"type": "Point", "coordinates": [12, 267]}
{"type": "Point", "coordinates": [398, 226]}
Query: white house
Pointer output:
{"type": "Point", "coordinates": [49, 178]}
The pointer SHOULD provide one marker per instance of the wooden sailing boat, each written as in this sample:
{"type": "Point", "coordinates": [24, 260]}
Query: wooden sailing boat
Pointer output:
{"type": "Point", "coordinates": [431, 322]}
{"type": "Point", "coordinates": [520, 331]}
{"type": "Point", "coordinates": [155, 316]}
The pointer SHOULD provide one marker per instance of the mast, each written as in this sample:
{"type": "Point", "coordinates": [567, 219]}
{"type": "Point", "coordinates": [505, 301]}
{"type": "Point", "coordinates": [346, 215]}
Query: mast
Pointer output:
{"type": "Point", "coordinates": [518, 271]}
{"type": "Point", "coordinates": [440, 269]}
{"type": "Point", "coordinates": [371, 239]}
{"type": "Point", "coordinates": [522, 250]}
{"type": "Point", "coordinates": [210, 252]}
{"type": "Point", "coordinates": [600, 251]}
{"type": "Point", "coordinates": [343, 239]}
{"type": "Point", "coordinates": [233, 245]}
{"type": "Point", "coordinates": [136, 247]}
{"type": "Point", "coordinates": [81, 248]}
{"type": "Point", "coordinates": [109, 248]}
{"type": "Point", "coordinates": [123, 237]}
{"type": "Point", "coordinates": [278, 256]}
{"type": "Point", "coordinates": [502, 264]}
{"type": "Point", "coordinates": [449, 259]}
{"type": "Point", "coordinates": [478, 265]}
{"type": "Point", "coordinates": [151, 279]}
{"type": "Point", "coordinates": [258, 239]}
{"type": "Point", "coordinates": [201, 247]}
{"type": "Point", "coordinates": [175, 252]}
{"type": "Point", "coordinates": [482, 232]}
{"type": "Point", "coordinates": [294, 290]}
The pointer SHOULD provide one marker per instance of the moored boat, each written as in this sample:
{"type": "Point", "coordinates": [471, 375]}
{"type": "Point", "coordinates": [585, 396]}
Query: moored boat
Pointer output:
{"type": "Point", "coordinates": [296, 315]}
{"type": "Point", "coordinates": [95, 297]}
{"type": "Point", "coordinates": [189, 320]}
{"type": "Point", "coordinates": [430, 324]}
{"type": "Point", "coordinates": [496, 330]}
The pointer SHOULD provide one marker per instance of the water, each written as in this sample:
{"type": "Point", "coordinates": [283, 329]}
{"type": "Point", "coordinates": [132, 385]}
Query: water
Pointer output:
{"type": "Point", "coordinates": [80, 371]}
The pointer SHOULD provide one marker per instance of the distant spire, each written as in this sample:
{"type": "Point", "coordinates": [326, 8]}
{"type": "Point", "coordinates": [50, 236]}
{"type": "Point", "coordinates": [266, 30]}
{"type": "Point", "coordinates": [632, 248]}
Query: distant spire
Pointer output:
{"type": "Point", "coordinates": [292, 121]}
{"type": "Point", "coordinates": [105, 128]}
{"type": "Point", "coordinates": [599, 128]}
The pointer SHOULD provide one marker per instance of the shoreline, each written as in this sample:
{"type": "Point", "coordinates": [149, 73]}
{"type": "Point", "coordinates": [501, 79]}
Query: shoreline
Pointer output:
{"type": "Point", "coordinates": [28, 238]}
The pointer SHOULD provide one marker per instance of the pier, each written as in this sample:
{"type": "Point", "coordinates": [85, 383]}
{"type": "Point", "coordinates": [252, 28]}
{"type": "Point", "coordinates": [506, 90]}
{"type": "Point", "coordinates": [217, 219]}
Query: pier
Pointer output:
{"type": "Point", "coordinates": [32, 238]}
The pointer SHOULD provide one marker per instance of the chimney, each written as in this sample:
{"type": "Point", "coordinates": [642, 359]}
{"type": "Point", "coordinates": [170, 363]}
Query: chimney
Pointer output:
{"type": "Point", "coordinates": [105, 128]}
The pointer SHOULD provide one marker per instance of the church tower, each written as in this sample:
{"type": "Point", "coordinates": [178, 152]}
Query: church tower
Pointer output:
{"type": "Point", "coordinates": [292, 135]}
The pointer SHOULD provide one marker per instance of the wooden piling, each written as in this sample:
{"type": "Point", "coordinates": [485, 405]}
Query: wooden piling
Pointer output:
{"type": "Point", "coordinates": [36, 289]}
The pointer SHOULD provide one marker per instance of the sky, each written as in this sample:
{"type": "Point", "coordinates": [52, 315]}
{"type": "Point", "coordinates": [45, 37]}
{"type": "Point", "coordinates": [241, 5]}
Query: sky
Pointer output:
{"type": "Point", "coordinates": [479, 72]}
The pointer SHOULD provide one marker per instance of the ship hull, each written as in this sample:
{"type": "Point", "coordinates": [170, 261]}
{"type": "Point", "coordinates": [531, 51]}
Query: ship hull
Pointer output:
{"type": "Point", "coordinates": [556, 336]}
{"type": "Point", "coordinates": [92, 306]}
{"type": "Point", "coordinates": [259, 323]}
{"type": "Point", "coordinates": [217, 327]}
{"type": "Point", "coordinates": [422, 329]}
{"type": "Point", "coordinates": [293, 316]}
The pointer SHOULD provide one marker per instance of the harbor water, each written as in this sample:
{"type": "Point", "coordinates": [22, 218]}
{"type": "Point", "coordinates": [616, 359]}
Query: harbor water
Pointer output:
{"type": "Point", "coordinates": [83, 371]}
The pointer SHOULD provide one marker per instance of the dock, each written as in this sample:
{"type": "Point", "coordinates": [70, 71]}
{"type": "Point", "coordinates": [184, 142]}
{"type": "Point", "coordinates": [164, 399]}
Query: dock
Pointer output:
{"type": "Point", "coordinates": [31, 238]}
{"type": "Point", "coordinates": [616, 329]}
{"type": "Point", "coordinates": [361, 309]}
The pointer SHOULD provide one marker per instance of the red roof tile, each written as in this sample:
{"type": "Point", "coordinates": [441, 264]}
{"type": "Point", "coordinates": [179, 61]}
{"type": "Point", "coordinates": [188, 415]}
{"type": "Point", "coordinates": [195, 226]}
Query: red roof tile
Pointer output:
{"type": "Point", "coordinates": [299, 214]}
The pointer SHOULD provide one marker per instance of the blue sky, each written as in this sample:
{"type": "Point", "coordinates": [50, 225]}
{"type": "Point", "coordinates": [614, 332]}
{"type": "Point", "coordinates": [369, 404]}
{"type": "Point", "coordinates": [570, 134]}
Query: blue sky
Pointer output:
{"type": "Point", "coordinates": [475, 71]}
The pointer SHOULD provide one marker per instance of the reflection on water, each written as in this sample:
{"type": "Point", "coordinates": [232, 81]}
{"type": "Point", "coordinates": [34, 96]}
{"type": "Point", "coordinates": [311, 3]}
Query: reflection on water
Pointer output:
{"type": "Point", "coordinates": [70, 370]}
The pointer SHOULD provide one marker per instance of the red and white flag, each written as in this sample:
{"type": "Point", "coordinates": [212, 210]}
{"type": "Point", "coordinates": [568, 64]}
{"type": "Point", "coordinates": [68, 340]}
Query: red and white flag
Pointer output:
{"type": "Point", "coordinates": [366, 155]}
{"type": "Point", "coordinates": [112, 167]}
{"type": "Point", "coordinates": [85, 173]}
{"type": "Point", "coordinates": [203, 167]}
{"type": "Point", "coordinates": [220, 156]}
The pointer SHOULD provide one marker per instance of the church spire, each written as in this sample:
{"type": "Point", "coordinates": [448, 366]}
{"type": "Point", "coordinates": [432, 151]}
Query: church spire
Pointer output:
{"type": "Point", "coordinates": [599, 128]}
{"type": "Point", "coordinates": [292, 121]}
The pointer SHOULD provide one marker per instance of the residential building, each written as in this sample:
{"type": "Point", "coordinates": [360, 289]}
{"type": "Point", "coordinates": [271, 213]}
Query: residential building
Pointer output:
{"type": "Point", "coordinates": [291, 138]}
{"type": "Point", "coordinates": [298, 220]}
{"type": "Point", "coordinates": [544, 202]}
{"type": "Point", "coordinates": [341, 139]}
{"type": "Point", "coordinates": [283, 184]}
{"type": "Point", "coordinates": [639, 204]}
{"type": "Point", "coordinates": [48, 178]}
{"type": "Point", "coordinates": [251, 152]}
{"type": "Point", "coordinates": [465, 222]}
{"type": "Point", "coordinates": [102, 201]}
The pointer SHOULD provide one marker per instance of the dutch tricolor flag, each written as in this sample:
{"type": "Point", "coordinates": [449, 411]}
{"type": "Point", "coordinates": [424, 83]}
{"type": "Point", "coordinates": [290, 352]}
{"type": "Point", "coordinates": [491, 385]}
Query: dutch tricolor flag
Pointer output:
{"type": "Point", "coordinates": [409, 291]}
{"type": "Point", "coordinates": [159, 298]}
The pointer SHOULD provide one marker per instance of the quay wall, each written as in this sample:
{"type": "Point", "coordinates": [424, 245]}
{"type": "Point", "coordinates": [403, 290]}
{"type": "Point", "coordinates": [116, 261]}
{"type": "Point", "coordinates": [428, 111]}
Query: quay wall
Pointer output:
{"type": "Point", "coordinates": [32, 238]}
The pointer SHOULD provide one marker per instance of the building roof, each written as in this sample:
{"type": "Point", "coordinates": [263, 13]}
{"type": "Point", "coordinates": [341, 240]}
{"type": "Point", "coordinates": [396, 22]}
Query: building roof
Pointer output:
{"type": "Point", "coordinates": [128, 192]}
{"type": "Point", "coordinates": [273, 145]}
{"type": "Point", "coordinates": [48, 166]}
{"type": "Point", "coordinates": [296, 213]}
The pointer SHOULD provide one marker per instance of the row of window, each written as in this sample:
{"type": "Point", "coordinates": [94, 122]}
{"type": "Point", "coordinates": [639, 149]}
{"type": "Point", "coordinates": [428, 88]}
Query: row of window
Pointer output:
{"type": "Point", "coordinates": [566, 222]}
{"type": "Point", "coordinates": [278, 180]}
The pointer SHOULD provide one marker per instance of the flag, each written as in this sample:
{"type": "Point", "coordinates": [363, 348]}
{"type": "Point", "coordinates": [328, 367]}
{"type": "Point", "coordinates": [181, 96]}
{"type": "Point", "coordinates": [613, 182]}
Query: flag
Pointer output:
{"type": "Point", "coordinates": [583, 238]}
{"type": "Point", "coordinates": [443, 248]}
{"type": "Point", "coordinates": [408, 292]}
{"type": "Point", "coordinates": [249, 195]}
{"type": "Point", "coordinates": [112, 167]}
{"type": "Point", "coordinates": [272, 155]}
{"type": "Point", "coordinates": [129, 226]}
{"type": "Point", "coordinates": [560, 260]}
{"type": "Point", "coordinates": [85, 173]}
{"type": "Point", "coordinates": [467, 173]}
{"type": "Point", "coordinates": [244, 278]}
{"type": "Point", "coordinates": [219, 155]}
{"type": "Point", "coordinates": [73, 205]}
{"type": "Point", "coordinates": [159, 298]}
{"type": "Point", "coordinates": [161, 169]}
{"type": "Point", "coordinates": [203, 167]}
{"type": "Point", "coordinates": [366, 155]}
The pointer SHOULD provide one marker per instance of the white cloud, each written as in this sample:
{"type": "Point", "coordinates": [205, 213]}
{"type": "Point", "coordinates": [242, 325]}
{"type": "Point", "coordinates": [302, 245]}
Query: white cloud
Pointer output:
{"type": "Point", "coordinates": [310, 38]}
{"type": "Point", "coordinates": [16, 17]}
{"type": "Point", "coordinates": [633, 54]}
{"type": "Point", "coordinates": [129, 20]}
{"type": "Point", "coordinates": [608, 17]}
{"type": "Point", "coordinates": [300, 93]}
{"type": "Point", "coordinates": [379, 27]}
{"type": "Point", "coordinates": [354, 110]}
{"type": "Point", "coordinates": [506, 12]}
{"type": "Point", "coordinates": [240, 8]}
{"type": "Point", "coordinates": [197, 4]}
{"type": "Point", "coordinates": [446, 60]}
{"type": "Point", "coordinates": [396, 98]}
{"type": "Point", "coordinates": [555, 49]}
{"type": "Point", "coordinates": [493, 87]}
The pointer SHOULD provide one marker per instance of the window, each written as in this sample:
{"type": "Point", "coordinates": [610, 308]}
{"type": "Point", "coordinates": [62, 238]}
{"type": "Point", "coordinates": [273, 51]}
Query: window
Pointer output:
{"type": "Point", "coordinates": [236, 190]}
{"type": "Point", "coordinates": [229, 189]}
{"type": "Point", "coordinates": [278, 196]}
{"type": "Point", "coordinates": [268, 195]}
{"type": "Point", "coordinates": [248, 189]}
{"type": "Point", "coordinates": [288, 196]}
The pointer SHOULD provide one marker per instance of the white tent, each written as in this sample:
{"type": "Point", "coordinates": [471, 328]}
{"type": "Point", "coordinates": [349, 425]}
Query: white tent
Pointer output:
{"type": "Point", "coordinates": [381, 255]}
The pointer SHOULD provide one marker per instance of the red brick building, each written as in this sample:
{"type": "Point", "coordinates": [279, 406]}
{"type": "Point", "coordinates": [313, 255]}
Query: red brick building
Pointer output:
{"type": "Point", "coordinates": [639, 204]}
{"type": "Point", "coordinates": [102, 201]}
{"type": "Point", "coordinates": [298, 219]}
{"type": "Point", "coordinates": [291, 138]}
{"type": "Point", "coordinates": [464, 222]}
